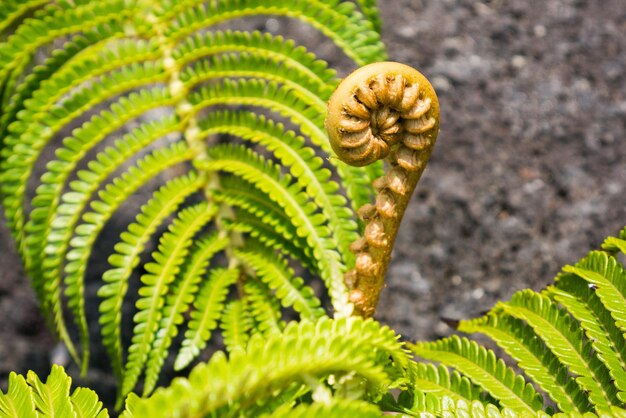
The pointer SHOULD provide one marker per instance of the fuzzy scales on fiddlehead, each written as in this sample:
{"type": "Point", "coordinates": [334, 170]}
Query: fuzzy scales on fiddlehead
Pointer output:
{"type": "Point", "coordinates": [385, 111]}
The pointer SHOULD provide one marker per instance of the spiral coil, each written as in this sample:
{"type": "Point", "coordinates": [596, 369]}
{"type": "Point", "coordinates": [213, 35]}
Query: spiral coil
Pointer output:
{"type": "Point", "coordinates": [385, 111]}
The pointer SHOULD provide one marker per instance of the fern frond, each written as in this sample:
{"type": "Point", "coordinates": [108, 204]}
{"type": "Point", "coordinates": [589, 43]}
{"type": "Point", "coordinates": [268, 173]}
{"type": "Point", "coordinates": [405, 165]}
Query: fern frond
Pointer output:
{"type": "Point", "coordinates": [269, 367]}
{"type": "Point", "coordinates": [31, 398]}
{"type": "Point", "coordinates": [236, 325]}
{"type": "Point", "coordinates": [19, 166]}
{"type": "Point", "coordinates": [340, 21]}
{"type": "Point", "coordinates": [276, 274]}
{"type": "Point", "coordinates": [304, 165]}
{"type": "Point", "coordinates": [583, 303]}
{"type": "Point", "coordinates": [110, 198]}
{"type": "Point", "coordinates": [85, 58]}
{"type": "Point", "coordinates": [255, 92]}
{"type": "Point", "coordinates": [253, 168]}
{"type": "Point", "coordinates": [51, 398]}
{"type": "Point", "coordinates": [173, 247]}
{"type": "Point", "coordinates": [207, 310]}
{"type": "Point", "coordinates": [428, 385]}
{"type": "Point", "coordinates": [246, 65]}
{"type": "Point", "coordinates": [27, 94]}
{"type": "Point", "coordinates": [564, 337]}
{"type": "Point", "coordinates": [18, 402]}
{"type": "Point", "coordinates": [13, 10]}
{"type": "Point", "coordinates": [259, 217]}
{"type": "Point", "coordinates": [270, 95]}
{"type": "Point", "coordinates": [268, 236]}
{"type": "Point", "coordinates": [440, 381]}
{"type": "Point", "coordinates": [482, 367]}
{"type": "Point", "coordinates": [462, 409]}
{"type": "Point", "coordinates": [261, 45]}
{"type": "Point", "coordinates": [520, 342]}
{"type": "Point", "coordinates": [614, 244]}
{"type": "Point", "coordinates": [370, 10]}
{"type": "Point", "coordinates": [126, 257]}
{"type": "Point", "coordinates": [52, 23]}
{"type": "Point", "coordinates": [23, 147]}
{"type": "Point", "coordinates": [606, 273]}
{"type": "Point", "coordinates": [86, 404]}
{"type": "Point", "coordinates": [177, 302]}
{"type": "Point", "coordinates": [245, 197]}
{"type": "Point", "coordinates": [264, 307]}
{"type": "Point", "coordinates": [53, 237]}
{"type": "Point", "coordinates": [336, 408]}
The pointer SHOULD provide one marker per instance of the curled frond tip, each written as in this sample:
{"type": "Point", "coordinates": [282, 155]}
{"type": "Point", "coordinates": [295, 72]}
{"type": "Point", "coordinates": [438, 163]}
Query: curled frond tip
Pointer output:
{"type": "Point", "coordinates": [385, 111]}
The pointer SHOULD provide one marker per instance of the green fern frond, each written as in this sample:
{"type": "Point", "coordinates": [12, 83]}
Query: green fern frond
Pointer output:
{"type": "Point", "coordinates": [51, 398]}
{"type": "Point", "coordinates": [260, 218]}
{"type": "Point", "coordinates": [564, 337]}
{"type": "Point", "coordinates": [50, 79]}
{"type": "Point", "coordinates": [520, 342]}
{"type": "Point", "coordinates": [607, 340]}
{"type": "Point", "coordinates": [258, 44]}
{"type": "Point", "coordinates": [251, 66]}
{"type": "Point", "coordinates": [13, 10]}
{"type": "Point", "coordinates": [51, 23]}
{"type": "Point", "coordinates": [370, 10]}
{"type": "Point", "coordinates": [86, 404]}
{"type": "Point", "coordinates": [303, 353]}
{"type": "Point", "coordinates": [207, 311]}
{"type": "Point", "coordinates": [19, 166]}
{"type": "Point", "coordinates": [280, 99]}
{"type": "Point", "coordinates": [161, 272]}
{"type": "Point", "coordinates": [31, 397]}
{"type": "Point", "coordinates": [110, 198]}
{"type": "Point", "coordinates": [339, 21]}
{"type": "Point", "coordinates": [439, 381]}
{"type": "Point", "coordinates": [451, 408]}
{"type": "Point", "coordinates": [427, 386]}
{"type": "Point", "coordinates": [303, 164]}
{"type": "Point", "coordinates": [236, 325]}
{"type": "Point", "coordinates": [264, 307]}
{"type": "Point", "coordinates": [245, 197]}
{"type": "Point", "coordinates": [336, 408]}
{"type": "Point", "coordinates": [22, 152]}
{"type": "Point", "coordinates": [605, 272]}
{"type": "Point", "coordinates": [276, 274]}
{"type": "Point", "coordinates": [86, 57]}
{"type": "Point", "coordinates": [265, 234]}
{"type": "Point", "coordinates": [614, 244]}
{"type": "Point", "coordinates": [53, 238]}
{"type": "Point", "coordinates": [280, 189]}
{"type": "Point", "coordinates": [126, 257]}
{"type": "Point", "coordinates": [101, 97]}
{"type": "Point", "coordinates": [483, 368]}
{"type": "Point", "coordinates": [177, 302]}
{"type": "Point", "coordinates": [18, 402]}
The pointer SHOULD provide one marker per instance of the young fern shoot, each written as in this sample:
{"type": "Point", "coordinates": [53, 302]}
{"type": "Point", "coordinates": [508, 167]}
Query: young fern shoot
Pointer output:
{"type": "Point", "coordinates": [389, 111]}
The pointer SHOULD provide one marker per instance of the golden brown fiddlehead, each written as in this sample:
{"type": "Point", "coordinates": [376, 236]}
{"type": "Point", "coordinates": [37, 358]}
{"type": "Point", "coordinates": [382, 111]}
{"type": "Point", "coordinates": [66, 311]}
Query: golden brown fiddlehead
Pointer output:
{"type": "Point", "coordinates": [385, 111]}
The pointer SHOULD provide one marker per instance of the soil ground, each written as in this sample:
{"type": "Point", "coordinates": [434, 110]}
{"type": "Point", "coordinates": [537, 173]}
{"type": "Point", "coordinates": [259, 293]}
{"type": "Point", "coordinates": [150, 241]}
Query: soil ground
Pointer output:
{"type": "Point", "coordinates": [529, 172]}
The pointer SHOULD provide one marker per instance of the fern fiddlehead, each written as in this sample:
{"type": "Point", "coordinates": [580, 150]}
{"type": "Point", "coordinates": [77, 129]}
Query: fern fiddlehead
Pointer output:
{"type": "Point", "coordinates": [385, 111]}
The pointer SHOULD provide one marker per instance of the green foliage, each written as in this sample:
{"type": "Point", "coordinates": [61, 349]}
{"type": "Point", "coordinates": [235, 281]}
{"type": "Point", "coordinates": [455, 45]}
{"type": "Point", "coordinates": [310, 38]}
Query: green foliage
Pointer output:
{"type": "Point", "coordinates": [223, 131]}
{"type": "Point", "coordinates": [220, 132]}
{"type": "Point", "coordinates": [308, 361]}
{"type": "Point", "coordinates": [30, 397]}
{"type": "Point", "coordinates": [567, 338]}
{"type": "Point", "coordinates": [564, 339]}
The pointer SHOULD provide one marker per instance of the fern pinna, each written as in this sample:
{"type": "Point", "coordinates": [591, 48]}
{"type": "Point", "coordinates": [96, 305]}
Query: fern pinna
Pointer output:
{"type": "Point", "coordinates": [224, 129]}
